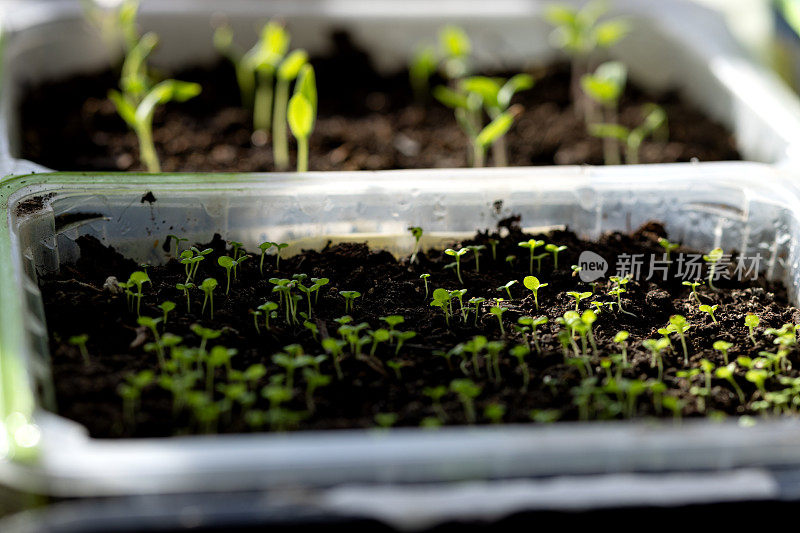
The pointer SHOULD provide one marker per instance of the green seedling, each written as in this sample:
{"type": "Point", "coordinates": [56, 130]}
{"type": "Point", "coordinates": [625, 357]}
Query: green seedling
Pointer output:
{"type": "Point", "coordinates": [423, 65]}
{"type": "Point", "coordinates": [137, 102]}
{"type": "Point", "coordinates": [576, 270]}
{"type": "Point", "coordinates": [268, 309]}
{"type": "Point", "coordinates": [334, 348]}
{"type": "Point", "coordinates": [494, 412]}
{"type": "Point", "coordinates": [520, 351]}
{"type": "Point", "coordinates": [668, 247]}
{"type": "Point", "coordinates": [578, 297]}
{"type": "Point", "coordinates": [467, 391]}
{"type": "Point", "coordinates": [185, 288]}
{"type": "Point", "coordinates": [378, 336]}
{"type": "Point", "coordinates": [694, 285]}
{"type": "Point", "coordinates": [131, 392]}
{"type": "Point", "coordinates": [619, 290]}
{"type": "Point", "coordinates": [290, 363]}
{"type": "Point", "coordinates": [416, 232]}
{"type": "Point", "coordinates": [314, 380]}
{"type": "Point", "coordinates": [264, 247]}
{"type": "Point", "coordinates": [138, 279]}
{"type": "Point", "coordinates": [436, 394]}
{"type": "Point", "coordinates": [349, 299]}
{"type": "Point", "coordinates": [656, 346]}
{"type": "Point", "coordinates": [751, 321]}
{"type": "Point", "coordinates": [262, 61]}
{"type": "Point", "coordinates": [493, 245]}
{"type": "Point", "coordinates": [80, 341]}
{"type": "Point", "coordinates": [758, 376]}
{"type": "Point", "coordinates": [288, 70]}
{"type": "Point", "coordinates": [392, 321]}
{"type": "Point", "coordinates": [621, 338]}
{"type": "Point", "coordinates": [589, 317]}
{"type": "Point", "coordinates": [498, 311]}
{"type": "Point", "coordinates": [208, 286]}
{"type": "Point", "coordinates": [228, 264]}
{"type": "Point", "coordinates": [555, 250]}
{"type": "Point", "coordinates": [152, 324]}
{"type": "Point", "coordinates": [397, 367]}
{"type": "Point", "coordinates": [533, 323]}
{"type": "Point", "coordinates": [166, 307]}
{"type": "Point", "coordinates": [455, 49]}
{"type": "Point", "coordinates": [116, 22]}
{"type": "Point", "coordinates": [510, 259]}
{"type": "Point", "coordinates": [386, 420]}
{"type": "Point", "coordinates": [457, 255]}
{"type": "Point", "coordinates": [654, 123]}
{"type": "Point", "coordinates": [476, 251]}
{"type": "Point", "coordinates": [476, 306]}
{"type": "Point", "coordinates": [681, 326]}
{"type": "Point", "coordinates": [723, 347]}
{"type": "Point", "coordinates": [531, 245]}
{"type": "Point", "coordinates": [402, 337]}
{"type": "Point", "coordinates": [302, 113]}
{"type": "Point", "coordinates": [532, 283]}
{"type": "Point", "coordinates": [727, 373]}
{"type": "Point", "coordinates": [218, 357]}
{"type": "Point", "coordinates": [579, 32]}
{"type": "Point", "coordinates": [605, 87]}
{"type": "Point", "coordinates": [712, 258]}
{"type": "Point", "coordinates": [507, 288]}
{"type": "Point", "coordinates": [424, 278]}
{"type": "Point", "coordinates": [710, 310]}
{"type": "Point", "coordinates": [177, 240]}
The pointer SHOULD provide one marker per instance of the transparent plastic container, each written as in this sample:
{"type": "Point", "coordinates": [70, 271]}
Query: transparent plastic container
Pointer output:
{"type": "Point", "coordinates": [749, 206]}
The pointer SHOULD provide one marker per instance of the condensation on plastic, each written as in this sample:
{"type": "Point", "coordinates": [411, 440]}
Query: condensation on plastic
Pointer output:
{"type": "Point", "coordinates": [748, 206]}
{"type": "Point", "coordinates": [674, 44]}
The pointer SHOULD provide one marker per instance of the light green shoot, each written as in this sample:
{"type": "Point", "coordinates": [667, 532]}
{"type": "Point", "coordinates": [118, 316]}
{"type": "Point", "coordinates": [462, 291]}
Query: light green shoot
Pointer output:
{"type": "Point", "coordinates": [681, 325]}
{"type": "Point", "coordinates": [498, 311]}
{"type": "Point", "coordinates": [668, 247]}
{"type": "Point", "coordinates": [694, 285]}
{"type": "Point", "coordinates": [723, 347]}
{"type": "Point", "coordinates": [302, 113]}
{"type": "Point", "coordinates": [138, 279]}
{"type": "Point", "coordinates": [710, 310]}
{"type": "Point", "coordinates": [455, 49]}
{"type": "Point", "coordinates": [507, 288]}
{"type": "Point", "coordinates": [424, 278]}
{"type": "Point", "coordinates": [185, 288]}
{"type": "Point", "coordinates": [712, 258]}
{"type": "Point", "coordinates": [655, 122]}
{"type": "Point", "coordinates": [532, 283]}
{"type": "Point", "coordinates": [166, 306]}
{"type": "Point", "coordinates": [288, 70]}
{"type": "Point", "coordinates": [751, 321]}
{"type": "Point", "coordinates": [208, 286]}
{"type": "Point", "coordinates": [264, 247]}
{"type": "Point", "coordinates": [476, 250]}
{"type": "Point", "coordinates": [578, 297]}
{"type": "Point", "coordinates": [494, 412]}
{"type": "Point", "coordinates": [227, 263]}
{"type": "Point", "coordinates": [605, 86]}
{"type": "Point", "coordinates": [621, 338]}
{"type": "Point", "coordinates": [349, 299]}
{"type": "Point", "coordinates": [80, 341]}
{"type": "Point", "coordinates": [416, 232]}
{"type": "Point", "coordinates": [457, 254]}
{"type": "Point", "coordinates": [531, 245]}
{"type": "Point", "coordinates": [467, 391]}
{"type": "Point", "coordinates": [727, 373]}
{"type": "Point", "coordinates": [555, 250]}
{"type": "Point", "coordinates": [267, 308]}
{"type": "Point", "coordinates": [493, 245]}
{"type": "Point", "coordinates": [423, 66]}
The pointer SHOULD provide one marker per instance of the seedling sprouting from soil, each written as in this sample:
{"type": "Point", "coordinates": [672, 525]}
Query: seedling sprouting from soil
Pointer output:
{"type": "Point", "coordinates": [416, 232]}
{"type": "Point", "coordinates": [423, 65]}
{"type": "Point", "coordinates": [710, 310]}
{"type": "Point", "coordinates": [302, 113]}
{"type": "Point", "coordinates": [712, 258]}
{"type": "Point", "coordinates": [457, 254]}
{"type": "Point", "coordinates": [555, 250]}
{"type": "Point", "coordinates": [208, 286]}
{"type": "Point", "coordinates": [467, 391]}
{"type": "Point", "coordinates": [531, 245]}
{"type": "Point", "coordinates": [138, 279]}
{"type": "Point", "coordinates": [681, 326]}
{"type": "Point", "coordinates": [654, 123]}
{"type": "Point", "coordinates": [228, 264]}
{"type": "Point", "coordinates": [751, 321]}
{"type": "Point", "coordinates": [533, 323]}
{"type": "Point", "coordinates": [532, 283]}
{"type": "Point", "coordinates": [264, 247]}
{"type": "Point", "coordinates": [80, 341]}
{"type": "Point", "coordinates": [605, 87]}
{"type": "Point", "coordinates": [578, 297]}
{"type": "Point", "coordinates": [349, 299]}
{"type": "Point", "coordinates": [138, 100]}
{"type": "Point", "coordinates": [262, 60]}
{"type": "Point", "coordinates": [621, 338]}
{"type": "Point", "coordinates": [476, 251]}
{"type": "Point", "coordinates": [656, 346]}
{"type": "Point", "coordinates": [166, 306]}
{"type": "Point", "coordinates": [727, 373]}
{"type": "Point", "coordinates": [723, 347]}
{"type": "Point", "coordinates": [279, 246]}
{"type": "Point", "coordinates": [498, 311]}
{"type": "Point", "coordinates": [455, 48]}
{"type": "Point", "coordinates": [288, 70]}
{"type": "Point", "coordinates": [618, 290]}
{"type": "Point", "coordinates": [507, 288]}
{"type": "Point", "coordinates": [424, 278]}
{"type": "Point", "coordinates": [668, 247]}
{"type": "Point", "coordinates": [402, 337]}
{"type": "Point", "coordinates": [579, 32]}
{"type": "Point", "coordinates": [694, 285]}
{"type": "Point", "coordinates": [131, 392]}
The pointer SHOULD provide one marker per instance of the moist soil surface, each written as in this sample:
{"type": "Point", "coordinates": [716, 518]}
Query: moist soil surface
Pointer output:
{"type": "Point", "coordinates": [367, 121]}
{"type": "Point", "coordinates": [76, 302]}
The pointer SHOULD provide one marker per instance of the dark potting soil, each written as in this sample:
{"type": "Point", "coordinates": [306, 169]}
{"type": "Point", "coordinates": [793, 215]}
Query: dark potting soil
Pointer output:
{"type": "Point", "coordinates": [76, 302]}
{"type": "Point", "coordinates": [366, 122]}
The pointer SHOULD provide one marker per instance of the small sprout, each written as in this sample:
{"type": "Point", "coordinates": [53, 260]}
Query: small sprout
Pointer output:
{"type": "Point", "coordinates": [576, 269]}
{"type": "Point", "coordinates": [751, 321]}
{"type": "Point", "coordinates": [268, 308]}
{"type": "Point", "coordinates": [302, 113]}
{"type": "Point", "coordinates": [423, 66]}
{"type": "Point", "coordinates": [694, 285]}
{"type": "Point", "coordinates": [80, 341]}
{"type": "Point", "coordinates": [555, 250]}
{"type": "Point", "coordinates": [288, 70]}
{"type": "Point", "coordinates": [681, 325]}
{"type": "Point", "coordinates": [493, 245]}
{"type": "Point", "coordinates": [532, 283]}
{"type": "Point", "coordinates": [531, 245]}
{"type": "Point", "coordinates": [264, 246]}
{"type": "Point", "coordinates": [138, 279]}
{"type": "Point", "coordinates": [519, 352]}
{"type": "Point", "coordinates": [457, 255]}
{"type": "Point", "coordinates": [578, 297]}
{"type": "Point", "coordinates": [131, 392]}
{"type": "Point", "coordinates": [208, 286]}
{"type": "Point", "coordinates": [494, 412]}
{"type": "Point", "coordinates": [656, 346]}
{"type": "Point", "coordinates": [334, 348]}
{"type": "Point", "coordinates": [349, 299]}
{"type": "Point", "coordinates": [476, 250]}
{"type": "Point", "coordinates": [166, 307]}
{"type": "Point", "coordinates": [668, 247]}
{"type": "Point", "coordinates": [436, 394]}
{"type": "Point", "coordinates": [152, 325]}
{"type": "Point", "coordinates": [229, 263]}
{"type": "Point", "coordinates": [723, 347]}
{"type": "Point", "coordinates": [712, 258]}
{"type": "Point", "coordinates": [621, 338]}
{"type": "Point", "coordinates": [279, 246]}
{"type": "Point", "coordinates": [758, 376]}
{"type": "Point", "coordinates": [533, 323]}
{"type": "Point", "coordinates": [378, 336]}
{"type": "Point", "coordinates": [467, 391]}
{"type": "Point", "coordinates": [510, 259]}
{"type": "Point", "coordinates": [605, 86]}
{"type": "Point", "coordinates": [727, 373]}
{"type": "Point", "coordinates": [402, 337]}
{"type": "Point", "coordinates": [618, 290]}
{"type": "Point", "coordinates": [498, 311]}
{"type": "Point", "coordinates": [710, 310]}
{"type": "Point", "coordinates": [507, 288]}
{"type": "Point", "coordinates": [312, 327]}
{"type": "Point", "coordinates": [392, 321]}
{"type": "Point", "coordinates": [314, 380]}
{"type": "Point", "coordinates": [185, 288]}
{"type": "Point", "coordinates": [397, 366]}
{"type": "Point", "coordinates": [416, 232]}
{"type": "Point", "coordinates": [441, 299]}
{"type": "Point", "coordinates": [654, 122]}
{"type": "Point", "coordinates": [455, 47]}
{"type": "Point", "coordinates": [424, 278]}
{"type": "Point", "coordinates": [386, 420]}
